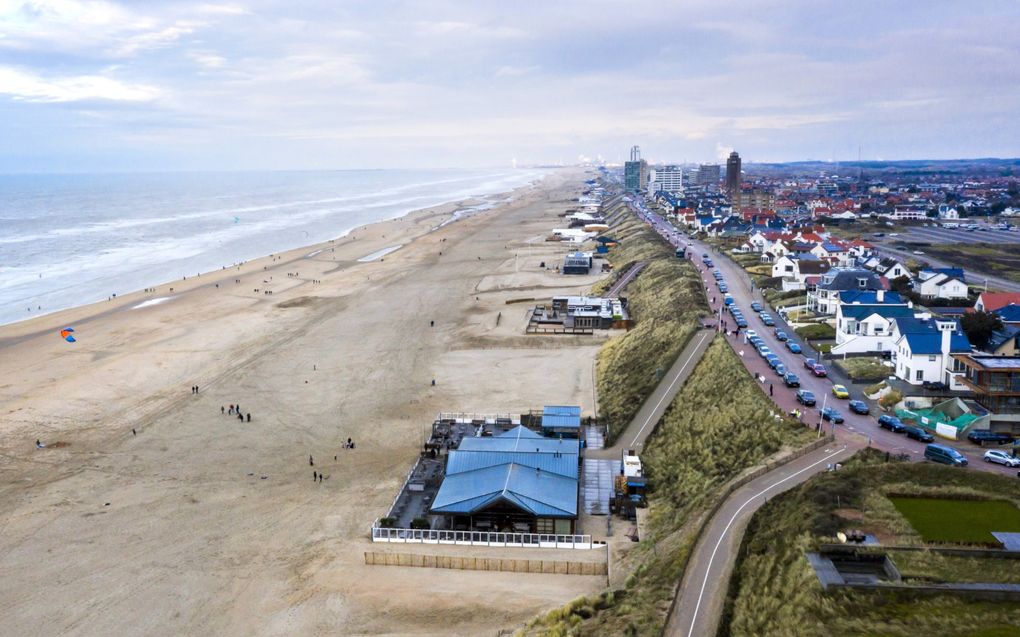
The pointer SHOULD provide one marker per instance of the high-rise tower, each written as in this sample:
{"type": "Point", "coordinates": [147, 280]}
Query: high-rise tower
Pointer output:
{"type": "Point", "coordinates": [733, 174]}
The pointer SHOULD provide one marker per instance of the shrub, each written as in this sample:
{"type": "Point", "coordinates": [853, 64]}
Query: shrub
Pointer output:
{"type": "Point", "coordinates": [816, 331]}
{"type": "Point", "coordinates": [421, 523]}
{"type": "Point", "coordinates": [387, 523]}
{"type": "Point", "coordinates": [890, 399]}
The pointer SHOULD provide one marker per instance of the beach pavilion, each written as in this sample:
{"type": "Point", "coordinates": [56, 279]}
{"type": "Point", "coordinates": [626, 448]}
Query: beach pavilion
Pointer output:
{"type": "Point", "coordinates": [517, 482]}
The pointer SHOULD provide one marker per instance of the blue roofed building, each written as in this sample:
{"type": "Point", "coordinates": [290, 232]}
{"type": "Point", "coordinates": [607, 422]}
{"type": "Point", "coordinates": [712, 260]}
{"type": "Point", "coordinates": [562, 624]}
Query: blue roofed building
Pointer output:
{"type": "Point", "coordinates": [518, 481]}
{"type": "Point", "coordinates": [925, 349]}
{"type": "Point", "coordinates": [561, 421]}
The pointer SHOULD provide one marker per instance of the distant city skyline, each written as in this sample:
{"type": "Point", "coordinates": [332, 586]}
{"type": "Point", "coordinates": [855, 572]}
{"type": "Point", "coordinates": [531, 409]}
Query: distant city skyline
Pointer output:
{"type": "Point", "coordinates": [104, 85]}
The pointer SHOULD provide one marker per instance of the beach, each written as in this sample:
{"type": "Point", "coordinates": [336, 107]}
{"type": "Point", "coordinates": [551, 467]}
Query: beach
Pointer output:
{"type": "Point", "coordinates": [149, 511]}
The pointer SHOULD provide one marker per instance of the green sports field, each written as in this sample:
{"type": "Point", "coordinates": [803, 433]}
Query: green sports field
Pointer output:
{"type": "Point", "coordinates": [958, 521]}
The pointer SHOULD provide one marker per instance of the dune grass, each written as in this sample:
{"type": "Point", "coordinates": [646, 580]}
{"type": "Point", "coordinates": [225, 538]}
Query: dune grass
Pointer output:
{"type": "Point", "coordinates": [666, 301]}
{"type": "Point", "coordinates": [774, 591]}
{"type": "Point", "coordinates": [864, 368]}
{"type": "Point", "coordinates": [719, 424]}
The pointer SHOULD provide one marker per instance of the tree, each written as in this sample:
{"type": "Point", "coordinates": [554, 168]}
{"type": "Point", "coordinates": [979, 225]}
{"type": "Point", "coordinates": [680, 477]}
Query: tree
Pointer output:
{"type": "Point", "coordinates": [978, 326]}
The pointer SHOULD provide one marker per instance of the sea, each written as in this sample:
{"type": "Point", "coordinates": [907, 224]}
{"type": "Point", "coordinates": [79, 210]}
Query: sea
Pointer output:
{"type": "Point", "coordinates": [69, 240]}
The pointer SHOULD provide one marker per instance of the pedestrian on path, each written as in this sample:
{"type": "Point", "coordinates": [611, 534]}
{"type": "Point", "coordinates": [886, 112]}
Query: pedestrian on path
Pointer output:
{"type": "Point", "coordinates": [771, 389]}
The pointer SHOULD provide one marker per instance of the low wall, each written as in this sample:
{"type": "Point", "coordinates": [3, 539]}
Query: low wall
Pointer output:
{"type": "Point", "coordinates": [465, 563]}
{"type": "Point", "coordinates": [483, 538]}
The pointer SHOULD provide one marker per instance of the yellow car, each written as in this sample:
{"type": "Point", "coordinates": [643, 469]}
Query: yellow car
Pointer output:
{"type": "Point", "coordinates": [840, 391]}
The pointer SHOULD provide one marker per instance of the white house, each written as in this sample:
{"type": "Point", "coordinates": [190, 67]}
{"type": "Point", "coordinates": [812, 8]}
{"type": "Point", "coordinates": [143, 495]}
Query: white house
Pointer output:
{"type": "Point", "coordinates": [924, 351]}
{"type": "Point", "coordinates": [865, 328]}
{"type": "Point", "coordinates": [943, 283]}
{"type": "Point", "coordinates": [892, 269]}
{"type": "Point", "coordinates": [825, 297]}
{"type": "Point", "coordinates": [948, 212]}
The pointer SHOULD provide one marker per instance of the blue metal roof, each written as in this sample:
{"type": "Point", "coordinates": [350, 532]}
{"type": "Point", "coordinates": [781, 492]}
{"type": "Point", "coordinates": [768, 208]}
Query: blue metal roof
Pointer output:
{"type": "Point", "coordinates": [522, 443]}
{"type": "Point", "coordinates": [520, 431]}
{"type": "Point", "coordinates": [859, 312]}
{"type": "Point", "coordinates": [561, 417]}
{"type": "Point", "coordinates": [564, 464]}
{"type": "Point", "coordinates": [1009, 313]}
{"type": "Point", "coordinates": [537, 492]}
{"type": "Point", "coordinates": [870, 297]}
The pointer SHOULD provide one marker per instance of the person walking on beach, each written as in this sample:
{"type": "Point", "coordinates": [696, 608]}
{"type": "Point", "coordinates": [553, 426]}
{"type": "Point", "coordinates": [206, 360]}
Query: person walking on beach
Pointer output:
{"type": "Point", "coordinates": [771, 388]}
{"type": "Point", "coordinates": [240, 416]}
{"type": "Point", "coordinates": [311, 463]}
{"type": "Point", "coordinates": [249, 416]}
{"type": "Point", "coordinates": [134, 433]}
{"type": "Point", "coordinates": [315, 476]}
{"type": "Point", "coordinates": [222, 410]}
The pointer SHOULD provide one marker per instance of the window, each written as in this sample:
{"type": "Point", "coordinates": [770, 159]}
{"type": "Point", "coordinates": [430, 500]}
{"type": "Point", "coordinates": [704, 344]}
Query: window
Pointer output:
{"type": "Point", "coordinates": [931, 358]}
{"type": "Point", "coordinates": [920, 375]}
{"type": "Point", "coordinates": [545, 525]}
{"type": "Point", "coordinates": [862, 283]}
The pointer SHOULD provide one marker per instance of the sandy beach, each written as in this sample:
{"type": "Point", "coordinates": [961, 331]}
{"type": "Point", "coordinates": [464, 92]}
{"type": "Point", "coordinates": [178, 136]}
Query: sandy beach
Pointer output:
{"type": "Point", "coordinates": [202, 524]}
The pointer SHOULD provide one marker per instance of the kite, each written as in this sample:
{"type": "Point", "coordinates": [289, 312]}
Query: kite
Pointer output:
{"type": "Point", "coordinates": [66, 334]}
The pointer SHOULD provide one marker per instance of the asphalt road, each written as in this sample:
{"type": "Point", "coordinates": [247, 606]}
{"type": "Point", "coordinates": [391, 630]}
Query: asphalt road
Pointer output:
{"type": "Point", "coordinates": [706, 579]}
{"type": "Point", "coordinates": [974, 278]}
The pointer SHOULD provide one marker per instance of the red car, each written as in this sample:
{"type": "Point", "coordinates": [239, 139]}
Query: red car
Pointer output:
{"type": "Point", "coordinates": [818, 370]}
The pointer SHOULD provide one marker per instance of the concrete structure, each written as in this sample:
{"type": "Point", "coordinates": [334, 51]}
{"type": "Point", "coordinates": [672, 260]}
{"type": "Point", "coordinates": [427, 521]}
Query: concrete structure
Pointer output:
{"type": "Point", "coordinates": [635, 172]}
{"type": "Point", "coordinates": [592, 312]}
{"type": "Point", "coordinates": [708, 175]}
{"type": "Point", "coordinates": [733, 174]}
{"type": "Point", "coordinates": [578, 263]}
{"type": "Point", "coordinates": [667, 179]}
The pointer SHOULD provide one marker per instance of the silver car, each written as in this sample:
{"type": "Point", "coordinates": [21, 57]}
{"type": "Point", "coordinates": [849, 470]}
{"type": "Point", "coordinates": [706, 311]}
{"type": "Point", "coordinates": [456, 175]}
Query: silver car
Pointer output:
{"type": "Point", "coordinates": [1001, 457]}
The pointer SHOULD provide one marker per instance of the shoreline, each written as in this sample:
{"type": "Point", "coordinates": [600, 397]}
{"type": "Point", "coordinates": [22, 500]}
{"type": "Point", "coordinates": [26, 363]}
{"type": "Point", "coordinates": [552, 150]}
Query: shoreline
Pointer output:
{"type": "Point", "coordinates": [450, 212]}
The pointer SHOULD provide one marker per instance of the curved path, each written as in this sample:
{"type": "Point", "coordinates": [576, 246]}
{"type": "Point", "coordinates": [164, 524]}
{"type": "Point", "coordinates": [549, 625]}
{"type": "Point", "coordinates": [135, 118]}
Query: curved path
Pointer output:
{"type": "Point", "coordinates": [706, 579]}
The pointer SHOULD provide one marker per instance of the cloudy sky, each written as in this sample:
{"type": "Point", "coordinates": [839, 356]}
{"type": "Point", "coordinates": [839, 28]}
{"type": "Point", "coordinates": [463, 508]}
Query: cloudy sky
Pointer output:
{"type": "Point", "coordinates": [104, 85]}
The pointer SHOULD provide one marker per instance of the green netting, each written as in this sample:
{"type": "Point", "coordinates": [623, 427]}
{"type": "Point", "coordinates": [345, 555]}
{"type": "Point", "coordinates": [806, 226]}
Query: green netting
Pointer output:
{"type": "Point", "coordinates": [930, 418]}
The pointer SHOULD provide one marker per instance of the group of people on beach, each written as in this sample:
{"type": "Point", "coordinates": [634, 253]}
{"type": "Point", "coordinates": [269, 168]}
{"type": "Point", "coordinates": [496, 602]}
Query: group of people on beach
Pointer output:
{"type": "Point", "coordinates": [318, 476]}
{"type": "Point", "coordinates": [235, 409]}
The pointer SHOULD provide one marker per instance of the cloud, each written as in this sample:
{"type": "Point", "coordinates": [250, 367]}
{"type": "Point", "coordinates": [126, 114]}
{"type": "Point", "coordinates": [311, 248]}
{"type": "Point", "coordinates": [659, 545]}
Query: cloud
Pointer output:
{"type": "Point", "coordinates": [207, 59]}
{"type": "Point", "coordinates": [515, 71]}
{"type": "Point", "coordinates": [721, 151]}
{"type": "Point", "coordinates": [31, 88]}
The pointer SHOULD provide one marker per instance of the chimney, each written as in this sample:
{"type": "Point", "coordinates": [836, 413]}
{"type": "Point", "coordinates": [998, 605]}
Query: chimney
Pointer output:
{"type": "Point", "coordinates": [946, 335]}
{"type": "Point", "coordinates": [880, 296]}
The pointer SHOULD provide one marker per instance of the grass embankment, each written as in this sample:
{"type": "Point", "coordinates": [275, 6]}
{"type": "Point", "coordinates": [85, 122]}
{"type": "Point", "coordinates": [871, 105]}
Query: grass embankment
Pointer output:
{"type": "Point", "coordinates": [719, 424]}
{"type": "Point", "coordinates": [666, 300]}
{"type": "Point", "coordinates": [864, 368]}
{"type": "Point", "coordinates": [775, 591]}
{"type": "Point", "coordinates": [816, 332]}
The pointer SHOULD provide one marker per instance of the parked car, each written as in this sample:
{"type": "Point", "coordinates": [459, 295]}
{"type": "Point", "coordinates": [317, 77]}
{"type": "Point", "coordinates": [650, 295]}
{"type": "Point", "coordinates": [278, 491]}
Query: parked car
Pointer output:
{"type": "Point", "coordinates": [892, 423]}
{"type": "Point", "coordinates": [793, 346]}
{"type": "Point", "coordinates": [767, 320]}
{"type": "Point", "coordinates": [945, 455]}
{"type": "Point", "coordinates": [751, 334]}
{"type": "Point", "coordinates": [773, 360]}
{"type": "Point", "coordinates": [741, 322]}
{"type": "Point", "coordinates": [840, 391]}
{"type": "Point", "coordinates": [780, 369]}
{"type": "Point", "coordinates": [756, 306]}
{"type": "Point", "coordinates": [805, 397]}
{"type": "Point", "coordinates": [791, 380]}
{"type": "Point", "coordinates": [935, 385]}
{"type": "Point", "coordinates": [809, 363]}
{"type": "Point", "coordinates": [831, 414]}
{"type": "Point", "coordinates": [764, 351]}
{"type": "Point", "coordinates": [819, 370]}
{"type": "Point", "coordinates": [983, 436]}
{"type": "Point", "coordinates": [1001, 457]}
{"type": "Point", "coordinates": [916, 433]}
{"type": "Point", "coordinates": [781, 335]}
{"type": "Point", "coordinates": [859, 407]}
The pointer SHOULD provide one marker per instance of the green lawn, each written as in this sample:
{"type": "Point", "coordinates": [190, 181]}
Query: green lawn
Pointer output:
{"type": "Point", "coordinates": [816, 331]}
{"type": "Point", "coordinates": [864, 368]}
{"type": "Point", "coordinates": [958, 521]}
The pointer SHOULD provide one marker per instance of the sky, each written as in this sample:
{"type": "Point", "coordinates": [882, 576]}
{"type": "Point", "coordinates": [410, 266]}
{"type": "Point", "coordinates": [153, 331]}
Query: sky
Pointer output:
{"type": "Point", "coordinates": [98, 85]}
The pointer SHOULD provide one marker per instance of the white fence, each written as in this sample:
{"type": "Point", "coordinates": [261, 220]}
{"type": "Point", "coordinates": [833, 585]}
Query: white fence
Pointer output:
{"type": "Point", "coordinates": [483, 538]}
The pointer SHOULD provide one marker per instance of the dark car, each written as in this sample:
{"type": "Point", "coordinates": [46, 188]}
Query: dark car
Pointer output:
{"type": "Point", "coordinates": [987, 436]}
{"type": "Point", "coordinates": [741, 322]}
{"type": "Point", "coordinates": [832, 415]}
{"type": "Point", "coordinates": [809, 363]}
{"type": "Point", "coordinates": [935, 385]}
{"type": "Point", "coordinates": [781, 335]}
{"type": "Point", "coordinates": [892, 423]}
{"type": "Point", "coordinates": [859, 407]}
{"type": "Point", "coordinates": [756, 306]}
{"type": "Point", "coordinates": [793, 346]}
{"type": "Point", "coordinates": [791, 380]}
{"type": "Point", "coordinates": [773, 360]}
{"type": "Point", "coordinates": [805, 397]}
{"type": "Point", "coordinates": [767, 320]}
{"type": "Point", "coordinates": [916, 433]}
{"type": "Point", "coordinates": [819, 370]}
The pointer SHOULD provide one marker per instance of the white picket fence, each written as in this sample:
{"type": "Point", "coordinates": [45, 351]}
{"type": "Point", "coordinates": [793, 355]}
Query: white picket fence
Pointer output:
{"type": "Point", "coordinates": [483, 538]}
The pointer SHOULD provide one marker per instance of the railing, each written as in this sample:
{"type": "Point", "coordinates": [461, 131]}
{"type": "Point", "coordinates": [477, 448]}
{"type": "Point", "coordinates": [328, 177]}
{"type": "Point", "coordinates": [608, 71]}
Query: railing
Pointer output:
{"type": "Point", "coordinates": [483, 538]}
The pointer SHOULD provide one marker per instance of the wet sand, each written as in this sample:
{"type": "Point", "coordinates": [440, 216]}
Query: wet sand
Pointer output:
{"type": "Point", "coordinates": [175, 531]}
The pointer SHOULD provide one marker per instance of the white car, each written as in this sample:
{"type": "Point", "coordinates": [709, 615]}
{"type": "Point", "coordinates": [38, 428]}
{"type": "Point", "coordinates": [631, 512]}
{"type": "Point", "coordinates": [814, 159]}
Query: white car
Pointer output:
{"type": "Point", "coordinates": [918, 252]}
{"type": "Point", "coordinates": [1001, 457]}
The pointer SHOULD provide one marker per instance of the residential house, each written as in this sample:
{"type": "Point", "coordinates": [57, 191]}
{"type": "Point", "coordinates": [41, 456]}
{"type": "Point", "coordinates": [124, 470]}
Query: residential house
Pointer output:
{"type": "Point", "coordinates": [825, 297]}
{"type": "Point", "coordinates": [995, 381]}
{"type": "Point", "coordinates": [1004, 342]}
{"type": "Point", "coordinates": [1010, 314]}
{"type": "Point", "coordinates": [892, 269]}
{"type": "Point", "coordinates": [925, 349]}
{"type": "Point", "coordinates": [991, 301]}
{"type": "Point", "coordinates": [868, 327]}
{"type": "Point", "coordinates": [941, 283]}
